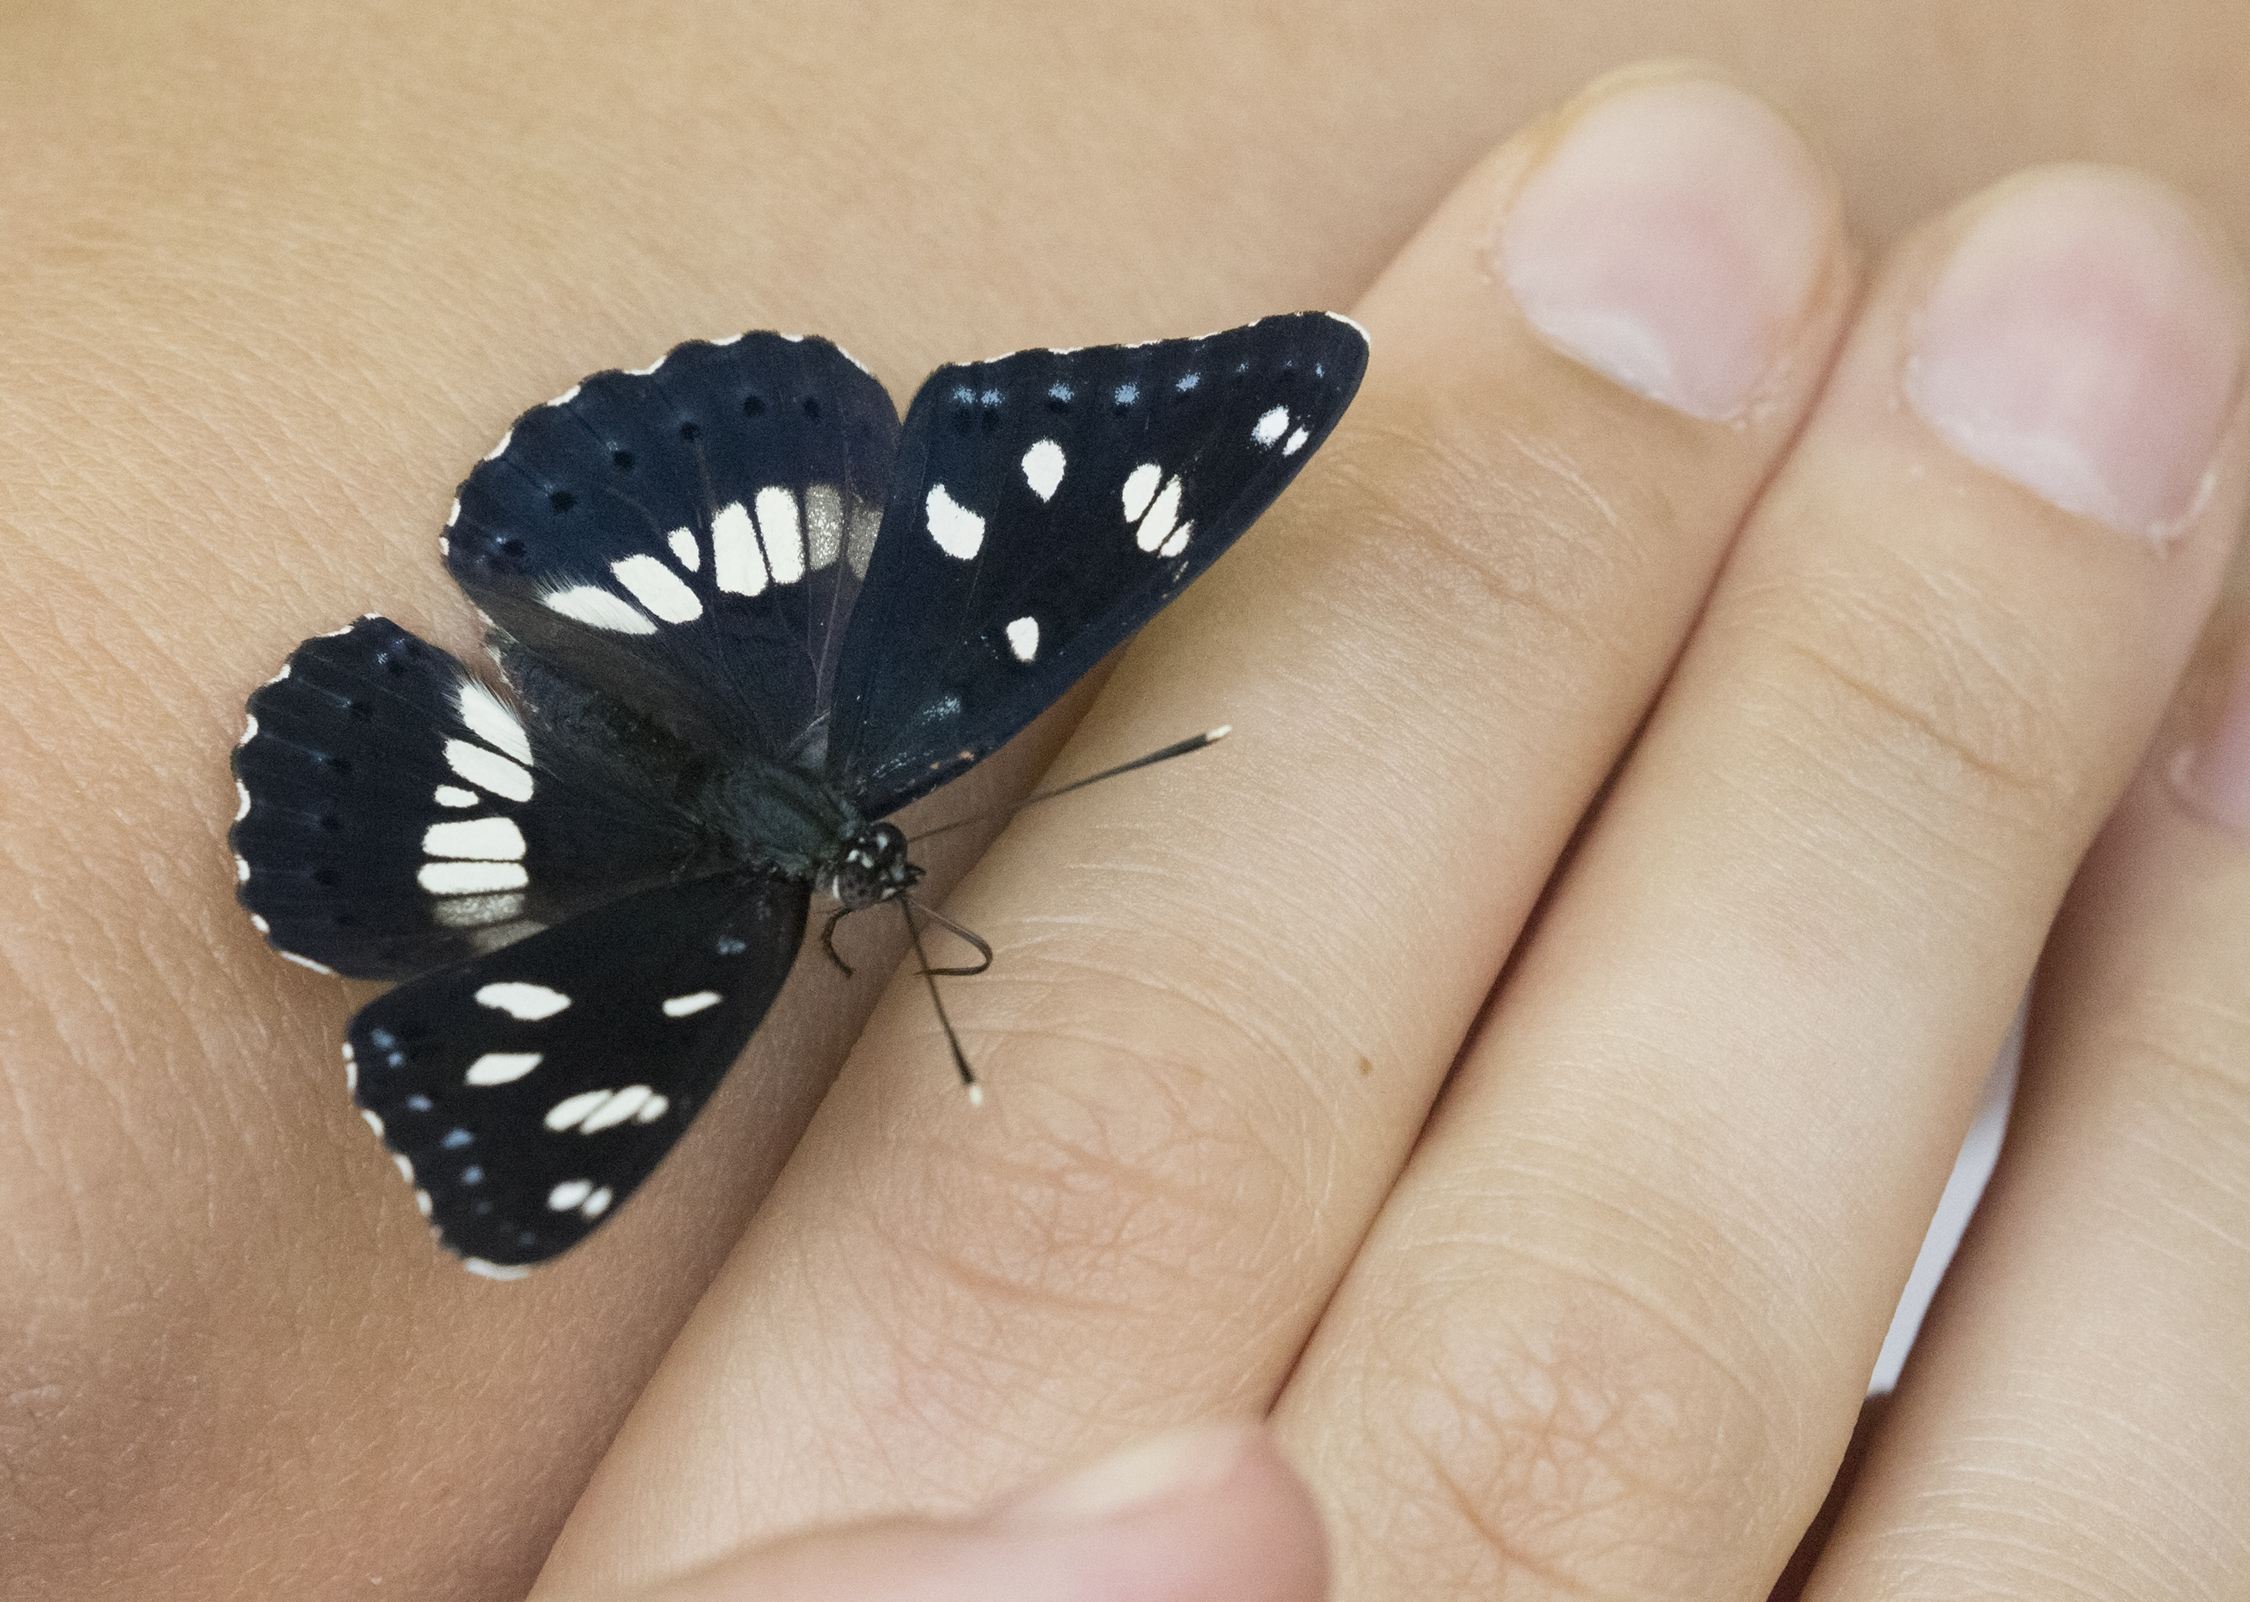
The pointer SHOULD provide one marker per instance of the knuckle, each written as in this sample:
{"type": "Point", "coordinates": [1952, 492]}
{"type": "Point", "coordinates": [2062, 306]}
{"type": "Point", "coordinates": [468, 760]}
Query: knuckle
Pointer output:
{"type": "Point", "coordinates": [1499, 533]}
{"type": "Point", "coordinates": [1124, 1180]}
{"type": "Point", "coordinates": [1950, 706]}
{"type": "Point", "coordinates": [1600, 1450]}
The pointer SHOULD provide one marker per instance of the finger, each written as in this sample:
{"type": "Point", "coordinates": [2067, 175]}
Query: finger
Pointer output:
{"type": "Point", "coordinates": [2073, 1418]}
{"type": "Point", "coordinates": [1610, 1334]}
{"type": "Point", "coordinates": [1228, 989]}
{"type": "Point", "coordinates": [1209, 1514]}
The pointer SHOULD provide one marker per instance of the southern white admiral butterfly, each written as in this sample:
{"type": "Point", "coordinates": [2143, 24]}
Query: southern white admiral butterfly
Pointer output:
{"type": "Point", "coordinates": [742, 615]}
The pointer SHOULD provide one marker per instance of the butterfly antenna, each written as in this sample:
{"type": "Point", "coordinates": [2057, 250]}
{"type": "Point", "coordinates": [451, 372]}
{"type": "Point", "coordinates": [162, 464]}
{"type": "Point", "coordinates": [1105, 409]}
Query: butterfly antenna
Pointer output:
{"type": "Point", "coordinates": [930, 978]}
{"type": "Point", "coordinates": [961, 932]}
{"type": "Point", "coordinates": [1179, 748]}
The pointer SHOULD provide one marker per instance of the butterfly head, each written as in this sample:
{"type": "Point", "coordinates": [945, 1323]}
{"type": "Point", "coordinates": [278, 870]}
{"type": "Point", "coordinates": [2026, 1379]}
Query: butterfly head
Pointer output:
{"type": "Point", "coordinates": [869, 866]}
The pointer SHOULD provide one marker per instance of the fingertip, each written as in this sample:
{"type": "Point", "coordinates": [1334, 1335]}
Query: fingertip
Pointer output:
{"type": "Point", "coordinates": [1210, 1513]}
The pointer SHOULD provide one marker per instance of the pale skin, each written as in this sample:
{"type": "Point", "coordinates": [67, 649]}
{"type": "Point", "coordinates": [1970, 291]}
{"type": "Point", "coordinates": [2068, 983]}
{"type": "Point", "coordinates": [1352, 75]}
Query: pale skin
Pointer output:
{"type": "Point", "coordinates": [1826, 695]}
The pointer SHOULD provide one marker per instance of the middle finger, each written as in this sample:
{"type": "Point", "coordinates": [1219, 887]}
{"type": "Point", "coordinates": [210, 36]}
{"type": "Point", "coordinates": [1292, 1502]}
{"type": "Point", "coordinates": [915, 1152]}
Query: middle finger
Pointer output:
{"type": "Point", "coordinates": [1229, 990]}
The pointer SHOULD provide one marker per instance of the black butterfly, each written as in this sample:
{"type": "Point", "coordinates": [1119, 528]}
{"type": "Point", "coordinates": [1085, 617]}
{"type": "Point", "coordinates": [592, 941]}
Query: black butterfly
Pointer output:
{"type": "Point", "coordinates": [743, 615]}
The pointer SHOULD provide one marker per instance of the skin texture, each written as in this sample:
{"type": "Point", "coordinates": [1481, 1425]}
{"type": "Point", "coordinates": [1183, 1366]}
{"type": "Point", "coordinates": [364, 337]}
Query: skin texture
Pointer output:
{"type": "Point", "coordinates": [271, 279]}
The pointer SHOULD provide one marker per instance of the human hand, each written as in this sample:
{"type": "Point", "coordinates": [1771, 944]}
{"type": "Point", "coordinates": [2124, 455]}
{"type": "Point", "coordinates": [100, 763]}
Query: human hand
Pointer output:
{"type": "Point", "coordinates": [1871, 613]}
{"type": "Point", "coordinates": [263, 277]}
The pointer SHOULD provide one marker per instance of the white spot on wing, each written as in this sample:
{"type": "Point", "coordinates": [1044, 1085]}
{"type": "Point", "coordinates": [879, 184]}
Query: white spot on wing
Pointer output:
{"type": "Point", "coordinates": [1156, 528]}
{"type": "Point", "coordinates": [500, 936]}
{"type": "Point", "coordinates": [824, 525]}
{"type": "Point", "coordinates": [241, 868]}
{"type": "Point", "coordinates": [1295, 442]}
{"type": "Point", "coordinates": [569, 1194]}
{"type": "Point", "coordinates": [452, 795]}
{"type": "Point", "coordinates": [568, 1112]}
{"type": "Point", "coordinates": [590, 604]}
{"type": "Point", "coordinates": [489, 769]}
{"type": "Point", "coordinates": [491, 720]}
{"type": "Point", "coordinates": [958, 531]}
{"type": "Point", "coordinates": [1043, 468]}
{"type": "Point", "coordinates": [682, 541]}
{"type": "Point", "coordinates": [454, 516]}
{"type": "Point", "coordinates": [736, 565]}
{"type": "Point", "coordinates": [784, 543]}
{"type": "Point", "coordinates": [306, 962]}
{"type": "Point", "coordinates": [598, 1203]}
{"type": "Point", "coordinates": [502, 1067]}
{"type": "Point", "coordinates": [859, 543]}
{"type": "Point", "coordinates": [471, 878]}
{"type": "Point", "coordinates": [241, 801]}
{"type": "Point", "coordinates": [658, 588]}
{"type": "Point", "coordinates": [652, 1109]}
{"type": "Point", "coordinates": [684, 1006]}
{"type": "Point", "coordinates": [505, 440]}
{"type": "Point", "coordinates": [1140, 489]}
{"type": "Point", "coordinates": [259, 923]}
{"type": "Point", "coordinates": [616, 1110]}
{"type": "Point", "coordinates": [1271, 426]}
{"type": "Point", "coordinates": [1023, 638]}
{"type": "Point", "coordinates": [499, 1271]}
{"type": "Point", "coordinates": [476, 912]}
{"type": "Point", "coordinates": [520, 999]}
{"type": "Point", "coordinates": [490, 839]}
{"type": "Point", "coordinates": [1178, 542]}
{"type": "Point", "coordinates": [566, 397]}
{"type": "Point", "coordinates": [249, 726]}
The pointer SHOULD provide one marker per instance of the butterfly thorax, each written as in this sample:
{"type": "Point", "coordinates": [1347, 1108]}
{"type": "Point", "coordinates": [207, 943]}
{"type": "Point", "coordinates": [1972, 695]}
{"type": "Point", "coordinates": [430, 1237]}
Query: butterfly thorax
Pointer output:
{"type": "Point", "coordinates": [787, 818]}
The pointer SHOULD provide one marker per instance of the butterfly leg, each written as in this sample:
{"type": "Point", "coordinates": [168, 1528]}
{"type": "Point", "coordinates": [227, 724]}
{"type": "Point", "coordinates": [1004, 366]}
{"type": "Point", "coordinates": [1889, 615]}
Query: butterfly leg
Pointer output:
{"type": "Point", "coordinates": [828, 939]}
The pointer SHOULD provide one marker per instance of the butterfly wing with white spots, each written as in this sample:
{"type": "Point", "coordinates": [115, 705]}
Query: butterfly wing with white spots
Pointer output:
{"type": "Point", "coordinates": [743, 615]}
{"type": "Point", "coordinates": [688, 538]}
{"type": "Point", "coordinates": [527, 1093]}
{"type": "Point", "coordinates": [396, 813]}
{"type": "Point", "coordinates": [1048, 504]}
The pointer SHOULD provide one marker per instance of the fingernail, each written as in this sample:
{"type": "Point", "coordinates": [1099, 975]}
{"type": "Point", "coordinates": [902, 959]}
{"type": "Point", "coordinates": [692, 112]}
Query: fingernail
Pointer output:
{"type": "Point", "coordinates": [2085, 339]}
{"type": "Point", "coordinates": [1669, 240]}
{"type": "Point", "coordinates": [1153, 1471]}
{"type": "Point", "coordinates": [2211, 772]}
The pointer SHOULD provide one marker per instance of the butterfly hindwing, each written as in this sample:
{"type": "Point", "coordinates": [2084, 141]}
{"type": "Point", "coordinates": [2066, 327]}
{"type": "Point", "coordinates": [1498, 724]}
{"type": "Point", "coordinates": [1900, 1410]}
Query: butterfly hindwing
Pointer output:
{"type": "Point", "coordinates": [689, 538]}
{"type": "Point", "coordinates": [529, 1091]}
{"type": "Point", "coordinates": [1047, 504]}
{"type": "Point", "coordinates": [396, 813]}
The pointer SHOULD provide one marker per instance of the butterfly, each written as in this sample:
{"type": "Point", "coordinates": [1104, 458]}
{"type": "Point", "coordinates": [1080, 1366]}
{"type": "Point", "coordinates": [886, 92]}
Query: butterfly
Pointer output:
{"type": "Point", "coordinates": [741, 615]}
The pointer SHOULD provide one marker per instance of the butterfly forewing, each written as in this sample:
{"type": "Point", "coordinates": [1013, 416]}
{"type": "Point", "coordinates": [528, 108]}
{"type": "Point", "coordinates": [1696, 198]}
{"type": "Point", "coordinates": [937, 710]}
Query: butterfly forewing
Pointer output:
{"type": "Point", "coordinates": [690, 538]}
{"type": "Point", "coordinates": [1049, 503]}
{"type": "Point", "coordinates": [396, 813]}
{"type": "Point", "coordinates": [528, 1092]}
